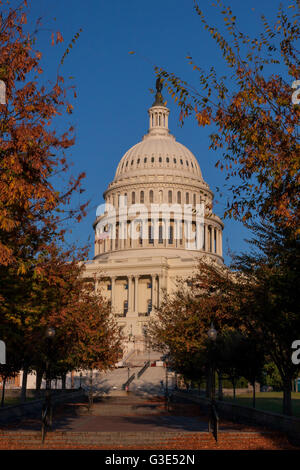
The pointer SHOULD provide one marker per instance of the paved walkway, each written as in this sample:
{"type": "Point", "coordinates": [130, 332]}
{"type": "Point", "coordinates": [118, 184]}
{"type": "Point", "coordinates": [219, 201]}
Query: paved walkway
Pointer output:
{"type": "Point", "coordinates": [123, 414]}
{"type": "Point", "coordinates": [134, 422]}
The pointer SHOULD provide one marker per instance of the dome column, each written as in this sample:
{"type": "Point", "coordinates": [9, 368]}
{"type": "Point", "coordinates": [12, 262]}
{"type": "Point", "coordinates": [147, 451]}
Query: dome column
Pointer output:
{"type": "Point", "coordinates": [220, 251]}
{"type": "Point", "coordinates": [205, 237]}
{"type": "Point", "coordinates": [199, 236]}
{"type": "Point", "coordinates": [113, 287]}
{"type": "Point", "coordinates": [136, 287]}
{"type": "Point", "coordinates": [130, 294]}
{"type": "Point", "coordinates": [153, 291]}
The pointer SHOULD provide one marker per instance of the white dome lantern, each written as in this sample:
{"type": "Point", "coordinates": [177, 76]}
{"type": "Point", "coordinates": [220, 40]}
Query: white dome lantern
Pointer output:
{"type": "Point", "coordinates": [158, 153]}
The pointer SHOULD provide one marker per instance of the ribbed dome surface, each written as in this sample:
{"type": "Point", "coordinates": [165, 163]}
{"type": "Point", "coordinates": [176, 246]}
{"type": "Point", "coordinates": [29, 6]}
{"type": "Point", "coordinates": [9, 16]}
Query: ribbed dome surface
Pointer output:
{"type": "Point", "coordinates": [155, 153]}
{"type": "Point", "coordinates": [158, 153]}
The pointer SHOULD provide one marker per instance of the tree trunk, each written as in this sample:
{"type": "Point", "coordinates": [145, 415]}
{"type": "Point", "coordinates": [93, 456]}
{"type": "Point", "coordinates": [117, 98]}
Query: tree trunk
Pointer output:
{"type": "Point", "coordinates": [3, 391]}
{"type": "Point", "coordinates": [253, 385]}
{"type": "Point", "coordinates": [233, 384]}
{"type": "Point", "coordinates": [38, 383]}
{"type": "Point", "coordinates": [220, 386]}
{"type": "Point", "coordinates": [24, 384]}
{"type": "Point", "coordinates": [208, 385]}
{"type": "Point", "coordinates": [287, 398]}
{"type": "Point", "coordinates": [63, 381]}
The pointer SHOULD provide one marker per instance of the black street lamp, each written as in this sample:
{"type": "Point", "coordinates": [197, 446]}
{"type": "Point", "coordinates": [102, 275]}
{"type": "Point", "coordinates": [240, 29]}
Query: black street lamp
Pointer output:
{"type": "Point", "coordinates": [167, 395]}
{"type": "Point", "coordinates": [50, 333]}
{"type": "Point", "coordinates": [212, 335]}
{"type": "Point", "coordinates": [214, 419]}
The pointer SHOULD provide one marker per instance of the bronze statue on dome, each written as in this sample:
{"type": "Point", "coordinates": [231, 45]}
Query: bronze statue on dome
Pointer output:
{"type": "Point", "coordinates": [159, 101]}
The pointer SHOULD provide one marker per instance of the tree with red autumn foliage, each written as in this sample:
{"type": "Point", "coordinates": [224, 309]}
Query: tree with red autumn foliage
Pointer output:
{"type": "Point", "coordinates": [86, 335]}
{"type": "Point", "coordinates": [41, 282]}
{"type": "Point", "coordinates": [257, 298]}
{"type": "Point", "coordinates": [253, 112]}
{"type": "Point", "coordinates": [31, 151]}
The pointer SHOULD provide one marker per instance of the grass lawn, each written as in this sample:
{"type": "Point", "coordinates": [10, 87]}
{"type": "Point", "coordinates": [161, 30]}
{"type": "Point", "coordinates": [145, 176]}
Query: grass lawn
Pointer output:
{"type": "Point", "coordinates": [268, 401]}
{"type": "Point", "coordinates": [14, 400]}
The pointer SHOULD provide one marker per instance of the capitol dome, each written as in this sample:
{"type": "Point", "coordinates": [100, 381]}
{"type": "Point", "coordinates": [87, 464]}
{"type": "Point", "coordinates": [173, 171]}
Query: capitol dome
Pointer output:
{"type": "Point", "coordinates": [143, 233]}
{"type": "Point", "coordinates": [158, 158]}
{"type": "Point", "coordinates": [158, 152]}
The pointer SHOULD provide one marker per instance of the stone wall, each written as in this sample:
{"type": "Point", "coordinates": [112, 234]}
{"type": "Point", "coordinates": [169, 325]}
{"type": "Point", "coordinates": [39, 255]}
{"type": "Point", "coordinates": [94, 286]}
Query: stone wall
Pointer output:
{"type": "Point", "coordinates": [34, 407]}
{"type": "Point", "coordinates": [247, 415]}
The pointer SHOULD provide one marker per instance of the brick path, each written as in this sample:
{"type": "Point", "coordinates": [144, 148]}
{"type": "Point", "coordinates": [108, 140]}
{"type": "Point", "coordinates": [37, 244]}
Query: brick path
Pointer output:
{"type": "Point", "coordinates": [135, 423]}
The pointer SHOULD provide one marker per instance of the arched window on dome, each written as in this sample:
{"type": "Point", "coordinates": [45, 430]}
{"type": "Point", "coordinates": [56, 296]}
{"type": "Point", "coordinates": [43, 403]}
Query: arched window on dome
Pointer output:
{"type": "Point", "coordinates": [142, 197]}
{"type": "Point", "coordinates": [126, 163]}
{"type": "Point", "coordinates": [192, 164]}
{"type": "Point", "coordinates": [175, 161]}
{"type": "Point", "coordinates": [179, 197]}
{"type": "Point", "coordinates": [187, 198]}
{"type": "Point", "coordinates": [171, 234]}
{"type": "Point", "coordinates": [194, 199]}
{"type": "Point", "coordinates": [170, 197]}
{"type": "Point", "coordinates": [151, 233]}
{"type": "Point", "coordinates": [151, 196]}
{"type": "Point", "coordinates": [160, 234]}
{"type": "Point", "coordinates": [181, 161]}
{"type": "Point", "coordinates": [145, 160]}
{"type": "Point", "coordinates": [187, 163]}
{"type": "Point", "coordinates": [141, 233]}
{"type": "Point", "coordinates": [167, 159]}
{"type": "Point", "coordinates": [133, 197]}
{"type": "Point", "coordinates": [131, 162]}
{"type": "Point", "coordinates": [117, 237]}
{"type": "Point", "coordinates": [138, 161]}
{"type": "Point", "coordinates": [160, 159]}
{"type": "Point", "coordinates": [152, 160]}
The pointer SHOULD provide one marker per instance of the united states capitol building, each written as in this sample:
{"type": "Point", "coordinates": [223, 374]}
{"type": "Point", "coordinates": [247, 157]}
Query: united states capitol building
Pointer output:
{"type": "Point", "coordinates": [156, 222]}
{"type": "Point", "coordinates": [154, 225]}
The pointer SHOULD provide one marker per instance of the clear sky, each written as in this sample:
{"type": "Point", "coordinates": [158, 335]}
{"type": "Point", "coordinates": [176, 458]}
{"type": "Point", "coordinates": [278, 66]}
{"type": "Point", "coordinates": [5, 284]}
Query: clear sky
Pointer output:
{"type": "Point", "coordinates": [112, 86]}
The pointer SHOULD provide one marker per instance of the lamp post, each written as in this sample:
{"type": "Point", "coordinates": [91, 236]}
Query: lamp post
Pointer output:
{"type": "Point", "coordinates": [213, 420]}
{"type": "Point", "coordinates": [50, 333]}
{"type": "Point", "coordinates": [167, 396]}
{"type": "Point", "coordinates": [212, 335]}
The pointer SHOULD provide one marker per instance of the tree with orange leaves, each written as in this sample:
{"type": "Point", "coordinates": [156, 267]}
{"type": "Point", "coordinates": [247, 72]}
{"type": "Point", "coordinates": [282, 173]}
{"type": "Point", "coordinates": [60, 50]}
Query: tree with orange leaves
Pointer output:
{"type": "Point", "coordinates": [31, 151]}
{"type": "Point", "coordinates": [86, 335]}
{"type": "Point", "coordinates": [257, 299]}
{"type": "Point", "coordinates": [38, 277]}
{"type": "Point", "coordinates": [255, 111]}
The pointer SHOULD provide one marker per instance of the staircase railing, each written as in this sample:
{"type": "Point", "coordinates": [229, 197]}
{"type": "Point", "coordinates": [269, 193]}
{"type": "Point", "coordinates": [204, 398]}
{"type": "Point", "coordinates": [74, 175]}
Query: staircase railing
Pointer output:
{"type": "Point", "coordinates": [213, 424]}
{"type": "Point", "coordinates": [143, 369]}
{"type": "Point", "coordinates": [128, 382]}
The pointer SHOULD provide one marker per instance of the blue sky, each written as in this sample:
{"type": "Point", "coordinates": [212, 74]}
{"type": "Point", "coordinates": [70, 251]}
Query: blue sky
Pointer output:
{"type": "Point", "coordinates": [112, 86]}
